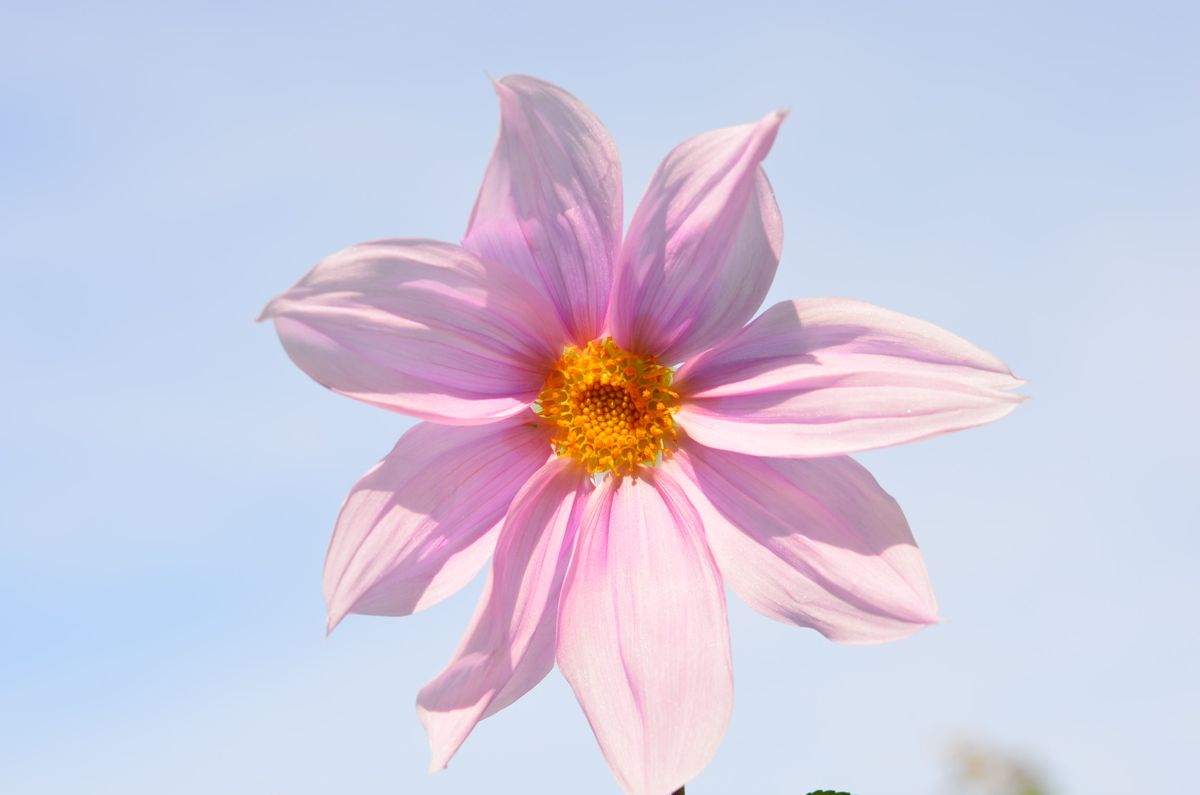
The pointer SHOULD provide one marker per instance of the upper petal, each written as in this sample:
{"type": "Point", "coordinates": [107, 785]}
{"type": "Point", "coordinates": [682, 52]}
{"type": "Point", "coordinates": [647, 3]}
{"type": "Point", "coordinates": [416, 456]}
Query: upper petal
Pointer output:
{"type": "Point", "coordinates": [828, 376]}
{"type": "Point", "coordinates": [642, 634]}
{"type": "Point", "coordinates": [422, 522]}
{"type": "Point", "coordinates": [815, 542]}
{"type": "Point", "coordinates": [419, 327]}
{"type": "Point", "coordinates": [550, 203]}
{"type": "Point", "coordinates": [703, 246]}
{"type": "Point", "coordinates": [509, 646]}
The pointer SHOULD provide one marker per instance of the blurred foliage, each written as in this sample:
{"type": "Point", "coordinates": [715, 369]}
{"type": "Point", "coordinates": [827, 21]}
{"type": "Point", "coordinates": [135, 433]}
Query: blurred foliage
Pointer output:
{"type": "Point", "coordinates": [981, 770]}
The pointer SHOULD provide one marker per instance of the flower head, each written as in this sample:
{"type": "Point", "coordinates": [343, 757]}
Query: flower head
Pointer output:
{"type": "Point", "coordinates": [608, 408]}
{"type": "Point", "coordinates": [614, 492]}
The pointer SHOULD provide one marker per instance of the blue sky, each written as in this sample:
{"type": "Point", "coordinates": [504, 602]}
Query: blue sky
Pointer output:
{"type": "Point", "coordinates": [1025, 174]}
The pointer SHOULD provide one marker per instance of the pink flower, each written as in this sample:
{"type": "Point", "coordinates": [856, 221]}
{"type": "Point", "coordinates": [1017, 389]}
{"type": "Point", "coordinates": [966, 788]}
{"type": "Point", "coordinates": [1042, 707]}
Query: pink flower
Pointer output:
{"type": "Point", "coordinates": [615, 494]}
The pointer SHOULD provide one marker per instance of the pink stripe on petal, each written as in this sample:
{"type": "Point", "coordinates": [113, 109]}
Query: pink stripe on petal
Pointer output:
{"type": "Point", "coordinates": [419, 327]}
{"type": "Point", "coordinates": [829, 376]}
{"type": "Point", "coordinates": [812, 542]}
{"type": "Point", "coordinates": [643, 636]}
{"type": "Point", "coordinates": [421, 524]}
{"type": "Point", "coordinates": [509, 646]}
{"type": "Point", "coordinates": [550, 203]}
{"type": "Point", "coordinates": [703, 246]}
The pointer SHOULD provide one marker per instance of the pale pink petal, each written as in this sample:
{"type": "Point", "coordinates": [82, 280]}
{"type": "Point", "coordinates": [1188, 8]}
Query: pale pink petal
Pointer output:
{"type": "Point", "coordinates": [813, 542]}
{"type": "Point", "coordinates": [702, 247]}
{"type": "Point", "coordinates": [509, 646]}
{"type": "Point", "coordinates": [550, 204]}
{"type": "Point", "coordinates": [642, 634]}
{"type": "Point", "coordinates": [419, 327]}
{"type": "Point", "coordinates": [421, 524]}
{"type": "Point", "coordinates": [829, 376]}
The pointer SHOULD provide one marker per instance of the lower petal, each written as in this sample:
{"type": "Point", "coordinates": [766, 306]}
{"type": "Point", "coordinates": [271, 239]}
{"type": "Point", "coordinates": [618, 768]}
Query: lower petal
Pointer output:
{"type": "Point", "coordinates": [814, 542]}
{"type": "Point", "coordinates": [421, 524]}
{"type": "Point", "coordinates": [642, 634]}
{"type": "Point", "coordinates": [509, 646]}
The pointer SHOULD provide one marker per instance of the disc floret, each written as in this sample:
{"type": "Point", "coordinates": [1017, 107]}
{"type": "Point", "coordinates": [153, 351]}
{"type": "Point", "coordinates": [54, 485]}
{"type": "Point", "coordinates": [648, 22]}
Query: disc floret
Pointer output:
{"type": "Point", "coordinates": [609, 408]}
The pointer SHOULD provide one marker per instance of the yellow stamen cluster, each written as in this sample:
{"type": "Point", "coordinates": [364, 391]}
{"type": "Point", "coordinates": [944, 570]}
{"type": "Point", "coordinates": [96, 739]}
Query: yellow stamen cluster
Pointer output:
{"type": "Point", "coordinates": [609, 408]}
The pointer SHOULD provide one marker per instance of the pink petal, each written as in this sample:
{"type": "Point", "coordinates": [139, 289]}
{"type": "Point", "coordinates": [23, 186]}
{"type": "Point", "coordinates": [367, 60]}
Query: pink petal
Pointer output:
{"type": "Point", "coordinates": [421, 524]}
{"type": "Point", "coordinates": [643, 637]}
{"type": "Point", "coordinates": [550, 204]}
{"type": "Point", "coordinates": [813, 542]}
{"type": "Point", "coordinates": [419, 327]}
{"type": "Point", "coordinates": [702, 247]}
{"type": "Point", "coordinates": [828, 376]}
{"type": "Point", "coordinates": [509, 647]}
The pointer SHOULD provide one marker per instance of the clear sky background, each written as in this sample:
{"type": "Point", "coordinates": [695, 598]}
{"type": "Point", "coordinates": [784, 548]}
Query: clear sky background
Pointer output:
{"type": "Point", "coordinates": [1024, 174]}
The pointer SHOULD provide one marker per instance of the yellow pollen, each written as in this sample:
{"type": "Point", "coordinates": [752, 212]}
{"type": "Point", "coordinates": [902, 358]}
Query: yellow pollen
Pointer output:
{"type": "Point", "coordinates": [609, 408]}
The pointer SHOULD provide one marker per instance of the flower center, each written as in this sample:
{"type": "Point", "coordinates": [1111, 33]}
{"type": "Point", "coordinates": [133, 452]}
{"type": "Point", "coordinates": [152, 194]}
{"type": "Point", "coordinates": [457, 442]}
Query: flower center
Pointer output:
{"type": "Point", "coordinates": [610, 409]}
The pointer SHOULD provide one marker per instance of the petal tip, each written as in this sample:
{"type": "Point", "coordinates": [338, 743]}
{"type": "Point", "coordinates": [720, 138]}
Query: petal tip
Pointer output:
{"type": "Point", "coordinates": [768, 126]}
{"type": "Point", "coordinates": [927, 619]}
{"type": "Point", "coordinates": [440, 753]}
{"type": "Point", "coordinates": [269, 311]}
{"type": "Point", "coordinates": [897, 631]}
{"type": "Point", "coordinates": [334, 616]}
{"type": "Point", "coordinates": [931, 619]}
{"type": "Point", "coordinates": [511, 84]}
